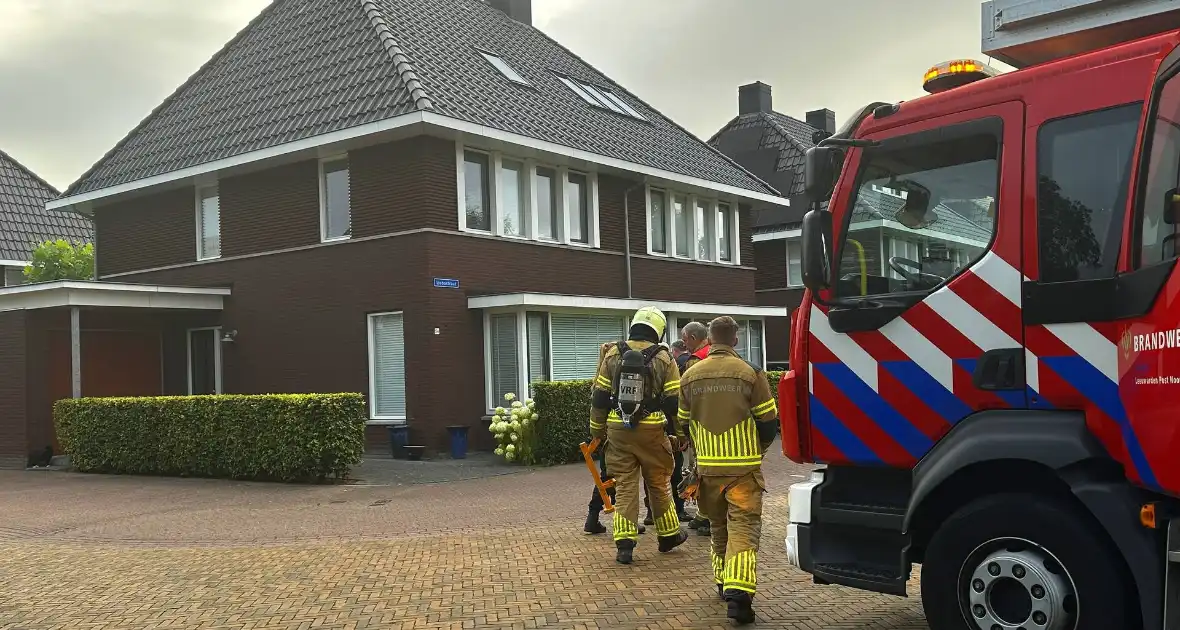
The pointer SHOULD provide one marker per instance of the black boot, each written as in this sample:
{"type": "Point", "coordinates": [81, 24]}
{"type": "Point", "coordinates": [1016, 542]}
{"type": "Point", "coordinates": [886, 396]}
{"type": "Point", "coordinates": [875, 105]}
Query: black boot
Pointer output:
{"type": "Point", "coordinates": [704, 530]}
{"type": "Point", "coordinates": [592, 524]}
{"type": "Point", "coordinates": [642, 529]}
{"type": "Point", "coordinates": [649, 520]}
{"type": "Point", "coordinates": [741, 607]}
{"type": "Point", "coordinates": [721, 592]}
{"type": "Point", "coordinates": [625, 547]}
{"type": "Point", "coordinates": [668, 543]}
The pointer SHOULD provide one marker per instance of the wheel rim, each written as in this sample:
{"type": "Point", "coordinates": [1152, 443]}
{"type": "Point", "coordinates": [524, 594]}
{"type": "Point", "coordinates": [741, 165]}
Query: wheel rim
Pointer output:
{"type": "Point", "coordinates": [1016, 584]}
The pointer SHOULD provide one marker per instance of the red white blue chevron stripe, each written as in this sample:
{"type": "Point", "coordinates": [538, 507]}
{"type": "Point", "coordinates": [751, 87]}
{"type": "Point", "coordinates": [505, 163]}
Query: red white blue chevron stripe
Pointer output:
{"type": "Point", "coordinates": [885, 397]}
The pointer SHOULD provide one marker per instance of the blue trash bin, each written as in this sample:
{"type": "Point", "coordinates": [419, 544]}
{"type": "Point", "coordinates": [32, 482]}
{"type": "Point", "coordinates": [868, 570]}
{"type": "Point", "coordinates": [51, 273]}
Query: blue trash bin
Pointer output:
{"type": "Point", "coordinates": [458, 441]}
{"type": "Point", "coordinates": [399, 436]}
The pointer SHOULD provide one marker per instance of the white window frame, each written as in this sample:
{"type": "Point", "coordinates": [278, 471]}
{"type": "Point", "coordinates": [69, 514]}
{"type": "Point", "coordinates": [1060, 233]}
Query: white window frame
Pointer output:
{"type": "Point", "coordinates": [323, 186]}
{"type": "Point", "coordinates": [200, 223]}
{"type": "Point", "coordinates": [532, 231]}
{"type": "Point", "coordinates": [711, 204]}
{"type": "Point", "coordinates": [217, 368]}
{"type": "Point", "coordinates": [503, 67]}
{"type": "Point", "coordinates": [373, 417]}
{"type": "Point", "coordinates": [671, 333]}
{"type": "Point", "coordinates": [794, 244]}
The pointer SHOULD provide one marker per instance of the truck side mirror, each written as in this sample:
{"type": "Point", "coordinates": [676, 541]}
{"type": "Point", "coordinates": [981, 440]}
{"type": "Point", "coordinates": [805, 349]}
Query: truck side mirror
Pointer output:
{"type": "Point", "coordinates": [821, 166]}
{"type": "Point", "coordinates": [1172, 206]}
{"type": "Point", "coordinates": [817, 248]}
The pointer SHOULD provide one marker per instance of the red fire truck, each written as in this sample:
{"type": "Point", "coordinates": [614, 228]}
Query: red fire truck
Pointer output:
{"type": "Point", "coordinates": [986, 363]}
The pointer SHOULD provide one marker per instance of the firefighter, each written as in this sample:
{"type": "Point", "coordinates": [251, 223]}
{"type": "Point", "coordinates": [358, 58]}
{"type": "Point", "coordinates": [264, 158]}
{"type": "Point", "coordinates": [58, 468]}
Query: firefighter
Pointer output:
{"type": "Point", "coordinates": [695, 337]}
{"type": "Point", "coordinates": [731, 415]}
{"type": "Point", "coordinates": [634, 403]}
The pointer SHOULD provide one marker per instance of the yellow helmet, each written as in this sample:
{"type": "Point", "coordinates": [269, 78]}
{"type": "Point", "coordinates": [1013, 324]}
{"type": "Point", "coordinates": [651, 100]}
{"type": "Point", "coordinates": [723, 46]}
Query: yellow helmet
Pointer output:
{"type": "Point", "coordinates": [651, 317]}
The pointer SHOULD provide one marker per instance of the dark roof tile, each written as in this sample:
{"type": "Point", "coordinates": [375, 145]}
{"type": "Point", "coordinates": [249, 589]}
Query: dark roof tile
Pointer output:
{"type": "Point", "coordinates": [307, 67]}
{"type": "Point", "coordinates": [24, 221]}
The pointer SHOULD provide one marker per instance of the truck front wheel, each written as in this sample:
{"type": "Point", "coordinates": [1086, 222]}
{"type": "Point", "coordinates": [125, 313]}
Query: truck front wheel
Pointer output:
{"type": "Point", "coordinates": [1022, 561]}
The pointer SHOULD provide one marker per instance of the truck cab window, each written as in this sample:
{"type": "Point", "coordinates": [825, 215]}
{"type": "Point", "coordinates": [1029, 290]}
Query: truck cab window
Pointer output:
{"type": "Point", "coordinates": [923, 212]}
{"type": "Point", "coordinates": [1083, 171]}
{"type": "Point", "coordinates": [1161, 212]}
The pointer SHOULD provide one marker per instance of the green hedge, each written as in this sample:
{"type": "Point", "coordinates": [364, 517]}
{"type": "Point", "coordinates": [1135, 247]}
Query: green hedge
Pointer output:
{"type": "Point", "coordinates": [274, 437]}
{"type": "Point", "coordinates": [564, 409]}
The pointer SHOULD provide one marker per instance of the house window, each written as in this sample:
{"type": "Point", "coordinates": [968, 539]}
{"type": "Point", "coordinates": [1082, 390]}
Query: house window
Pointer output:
{"type": "Point", "coordinates": [657, 212]}
{"type": "Point", "coordinates": [335, 210]}
{"type": "Point", "coordinates": [794, 263]}
{"type": "Point", "coordinates": [508, 71]}
{"type": "Point", "coordinates": [208, 223]}
{"type": "Point", "coordinates": [204, 361]}
{"type": "Point", "coordinates": [579, 208]}
{"type": "Point", "coordinates": [680, 226]}
{"type": "Point", "coordinates": [577, 340]}
{"type": "Point", "coordinates": [724, 233]}
{"type": "Point", "coordinates": [507, 196]}
{"type": "Point", "coordinates": [548, 216]}
{"type": "Point", "coordinates": [476, 193]}
{"type": "Point", "coordinates": [704, 230]}
{"type": "Point", "coordinates": [505, 364]}
{"type": "Point", "coordinates": [690, 227]}
{"type": "Point", "coordinates": [600, 97]}
{"type": "Point", "coordinates": [387, 367]}
{"type": "Point", "coordinates": [749, 345]}
{"type": "Point", "coordinates": [538, 346]}
{"type": "Point", "coordinates": [513, 186]}
{"type": "Point", "coordinates": [14, 276]}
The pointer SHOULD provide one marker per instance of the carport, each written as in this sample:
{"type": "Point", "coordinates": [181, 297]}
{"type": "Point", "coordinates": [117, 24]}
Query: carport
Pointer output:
{"type": "Point", "coordinates": [72, 339]}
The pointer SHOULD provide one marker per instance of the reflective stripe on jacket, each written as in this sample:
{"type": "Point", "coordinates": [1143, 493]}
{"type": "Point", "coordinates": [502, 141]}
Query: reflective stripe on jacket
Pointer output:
{"type": "Point", "coordinates": [721, 398]}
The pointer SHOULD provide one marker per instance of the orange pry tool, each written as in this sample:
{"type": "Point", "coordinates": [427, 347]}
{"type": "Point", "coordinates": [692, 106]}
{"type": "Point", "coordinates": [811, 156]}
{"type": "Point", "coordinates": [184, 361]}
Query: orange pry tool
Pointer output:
{"type": "Point", "coordinates": [588, 450]}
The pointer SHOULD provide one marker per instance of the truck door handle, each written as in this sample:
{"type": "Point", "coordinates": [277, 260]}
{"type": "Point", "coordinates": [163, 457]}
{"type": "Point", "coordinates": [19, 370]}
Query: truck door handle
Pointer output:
{"type": "Point", "coordinates": [1001, 369]}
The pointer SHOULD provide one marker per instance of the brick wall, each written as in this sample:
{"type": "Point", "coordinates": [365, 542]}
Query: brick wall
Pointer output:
{"type": "Point", "coordinates": [301, 314]}
{"type": "Point", "coordinates": [13, 394]}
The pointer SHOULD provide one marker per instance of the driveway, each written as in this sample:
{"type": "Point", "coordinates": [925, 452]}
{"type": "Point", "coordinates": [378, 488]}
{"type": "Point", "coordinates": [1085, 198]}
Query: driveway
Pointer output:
{"type": "Point", "coordinates": [401, 551]}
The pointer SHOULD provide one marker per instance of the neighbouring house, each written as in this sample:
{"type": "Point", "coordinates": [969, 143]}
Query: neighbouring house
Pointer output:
{"type": "Point", "coordinates": [772, 145]}
{"type": "Point", "coordinates": [428, 201]}
{"type": "Point", "coordinates": [24, 221]}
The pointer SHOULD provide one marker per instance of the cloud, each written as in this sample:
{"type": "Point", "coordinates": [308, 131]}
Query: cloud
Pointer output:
{"type": "Point", "coordinates": [77, 75]}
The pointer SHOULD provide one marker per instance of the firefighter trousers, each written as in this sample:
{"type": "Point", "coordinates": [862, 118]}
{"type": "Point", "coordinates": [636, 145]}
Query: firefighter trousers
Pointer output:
{"type": "Point", "coordinates": [734, 508]}
{"type": "Point", "coordinates": [637, 456]}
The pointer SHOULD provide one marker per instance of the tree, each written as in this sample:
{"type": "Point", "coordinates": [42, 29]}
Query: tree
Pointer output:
{"type": "Point", "coordinates": [61, 260]}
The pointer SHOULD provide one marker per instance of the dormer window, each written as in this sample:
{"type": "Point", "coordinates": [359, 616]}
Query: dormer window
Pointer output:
{"type": "Point", "coordinates": [508, 71]}
{"type": "Point", "coordinates": [600, 97]}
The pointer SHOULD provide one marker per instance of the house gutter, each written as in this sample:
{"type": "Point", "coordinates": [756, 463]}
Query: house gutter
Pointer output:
{"type": "Point", "coordinates": [627, 234]}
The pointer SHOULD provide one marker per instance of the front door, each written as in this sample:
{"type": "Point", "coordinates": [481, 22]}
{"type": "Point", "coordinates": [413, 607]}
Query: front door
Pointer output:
{"type": "Point", "coordinates": [929, 243]}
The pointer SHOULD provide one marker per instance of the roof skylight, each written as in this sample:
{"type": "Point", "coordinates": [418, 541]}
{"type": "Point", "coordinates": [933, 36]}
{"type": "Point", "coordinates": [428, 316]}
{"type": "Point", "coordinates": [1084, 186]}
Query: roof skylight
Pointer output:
{"type": "Point", "coordinates": [600, 97]}
{"type": "Point", "coordinates": [508, 71]}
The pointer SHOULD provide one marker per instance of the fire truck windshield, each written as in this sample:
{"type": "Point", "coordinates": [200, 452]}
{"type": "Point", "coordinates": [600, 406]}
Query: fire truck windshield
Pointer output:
{"type": "Point", "coordinates": [922, 212]}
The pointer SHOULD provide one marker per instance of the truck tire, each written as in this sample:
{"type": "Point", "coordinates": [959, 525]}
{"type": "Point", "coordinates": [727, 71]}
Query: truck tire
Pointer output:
{"type": "Point", "coordinates": [1023, 561]}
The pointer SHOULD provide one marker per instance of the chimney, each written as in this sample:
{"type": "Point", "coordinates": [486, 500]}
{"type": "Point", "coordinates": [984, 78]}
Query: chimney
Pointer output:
{"type": "Point", "coordinates": [754, 97]}
{"type": "Point", "coordinates": [824, 120]}
{"type": "Point", "coordinates": [519, 10]}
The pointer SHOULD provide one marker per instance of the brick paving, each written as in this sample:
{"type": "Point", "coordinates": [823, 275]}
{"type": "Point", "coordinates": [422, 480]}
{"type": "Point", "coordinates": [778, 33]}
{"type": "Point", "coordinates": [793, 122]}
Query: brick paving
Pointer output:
{"type": "Point", "coordinates": [94, 552]}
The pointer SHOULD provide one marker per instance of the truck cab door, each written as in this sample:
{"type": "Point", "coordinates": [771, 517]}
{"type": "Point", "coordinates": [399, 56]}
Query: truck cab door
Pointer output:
{"type": "Point", "coordinates": [928, 242]}
{"type": "Point", "coordinates": [1100, 294]}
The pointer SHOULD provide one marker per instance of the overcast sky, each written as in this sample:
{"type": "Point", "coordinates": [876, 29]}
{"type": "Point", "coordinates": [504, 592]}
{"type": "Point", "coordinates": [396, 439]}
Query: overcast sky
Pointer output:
{"type": "Point", "coordinates": [77, 75]}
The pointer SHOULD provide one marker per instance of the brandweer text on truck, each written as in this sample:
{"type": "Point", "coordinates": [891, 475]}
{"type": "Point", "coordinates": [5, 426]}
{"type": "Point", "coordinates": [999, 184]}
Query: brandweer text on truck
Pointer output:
{"type": "Point", "coordinates": [986, 362]}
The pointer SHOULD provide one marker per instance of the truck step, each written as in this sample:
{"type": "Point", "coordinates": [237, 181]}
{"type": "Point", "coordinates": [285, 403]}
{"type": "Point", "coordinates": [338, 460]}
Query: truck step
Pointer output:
{"type": "Point", "coordinates": [885, 517]}
{"type": "Point", "coordinates": [876, 578]}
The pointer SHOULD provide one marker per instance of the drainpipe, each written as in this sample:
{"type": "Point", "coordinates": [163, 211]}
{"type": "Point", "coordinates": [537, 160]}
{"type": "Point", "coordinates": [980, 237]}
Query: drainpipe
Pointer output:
{"type": "Point", "coordinates": [627, 233]}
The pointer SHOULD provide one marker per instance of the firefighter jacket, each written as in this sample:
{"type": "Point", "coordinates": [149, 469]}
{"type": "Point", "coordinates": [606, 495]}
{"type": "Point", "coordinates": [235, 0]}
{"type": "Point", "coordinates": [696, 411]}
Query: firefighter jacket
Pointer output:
{"type": "Point", "coordinates": [666, 377]}
{"type": "Point", "coordinates": [729, 411]}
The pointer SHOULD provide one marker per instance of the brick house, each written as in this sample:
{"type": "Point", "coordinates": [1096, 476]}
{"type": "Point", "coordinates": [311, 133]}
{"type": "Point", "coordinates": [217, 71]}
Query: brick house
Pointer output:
{"type": "Point", "coordinates": [428, 201]}
{"type": "Point", "coordinates": [772, 146]}
{"type": "Point", "coordinates": [24, 221]}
